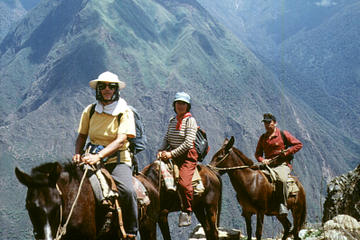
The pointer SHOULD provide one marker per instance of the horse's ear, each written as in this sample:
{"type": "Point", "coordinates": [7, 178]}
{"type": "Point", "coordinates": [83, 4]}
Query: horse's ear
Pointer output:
{"type": "Point", "coordinates": [229, 144]}
{"type": "Point", "coordinates": [55, 174]}
{"type": "Point", "coordinates": [23, 177]}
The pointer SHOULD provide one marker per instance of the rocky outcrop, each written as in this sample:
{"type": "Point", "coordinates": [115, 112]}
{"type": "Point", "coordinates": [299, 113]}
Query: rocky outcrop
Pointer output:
{"type": "Point", "coordinates": [341, 227]}
{"type": "Point", "coordinates": [224, 234]}
{"type": "Point", "coordinates": [343, 196]}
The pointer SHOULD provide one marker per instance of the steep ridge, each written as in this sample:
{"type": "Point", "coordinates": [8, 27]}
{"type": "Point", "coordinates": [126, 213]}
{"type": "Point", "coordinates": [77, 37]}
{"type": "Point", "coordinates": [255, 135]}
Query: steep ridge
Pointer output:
{"type": "Point", "coordinates": [157, 48]}
{"type": "Point", "coordinates": [10, 12]}
{"type": "Point", "coordinates": [329, 57]}
{"type": "Point", "coordinates": [309, 45]}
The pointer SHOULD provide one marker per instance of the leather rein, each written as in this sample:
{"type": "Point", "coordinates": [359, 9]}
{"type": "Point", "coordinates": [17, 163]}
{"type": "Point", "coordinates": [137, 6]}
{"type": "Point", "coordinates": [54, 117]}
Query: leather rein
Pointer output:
{"type": "Point", "coordinates": [62, 229]}
{"type": "Point", "coordinates": [231, 168]}
{"type": "Point", "coordinates": [228, 168]}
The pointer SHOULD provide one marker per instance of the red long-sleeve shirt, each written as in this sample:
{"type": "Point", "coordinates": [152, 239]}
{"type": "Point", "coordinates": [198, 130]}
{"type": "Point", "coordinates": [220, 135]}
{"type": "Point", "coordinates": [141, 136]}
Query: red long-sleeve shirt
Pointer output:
{"type": "Point", "coordinates": [271, 147]}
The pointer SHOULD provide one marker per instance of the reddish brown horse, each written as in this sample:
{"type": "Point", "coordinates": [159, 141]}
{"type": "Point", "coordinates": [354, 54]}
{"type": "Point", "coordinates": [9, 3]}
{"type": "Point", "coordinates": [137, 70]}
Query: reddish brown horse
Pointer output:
{"type": "Point", "coordinates": [255, 193]}
{"type": "Point", "coordinates": [52, 189]}
{"type": "Point", "coordinates": [206, 207]}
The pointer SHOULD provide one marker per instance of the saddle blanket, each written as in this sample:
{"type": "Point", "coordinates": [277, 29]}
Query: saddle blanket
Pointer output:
{"type": "Point", "coordinates": [141, 192]}
{"type": "Point", "coordinates": [170, 174]}
{"type": "Point", "coordinates": [108, 188]}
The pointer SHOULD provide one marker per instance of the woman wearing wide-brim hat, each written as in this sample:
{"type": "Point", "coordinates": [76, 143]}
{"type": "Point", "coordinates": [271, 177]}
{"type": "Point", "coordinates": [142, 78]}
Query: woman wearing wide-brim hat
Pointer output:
{"type": "Point", "coordinates": [109, 145]}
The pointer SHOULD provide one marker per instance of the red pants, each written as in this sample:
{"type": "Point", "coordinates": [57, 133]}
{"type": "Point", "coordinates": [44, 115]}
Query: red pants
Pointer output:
{"type": "Point", "coordinates": [187, 165]}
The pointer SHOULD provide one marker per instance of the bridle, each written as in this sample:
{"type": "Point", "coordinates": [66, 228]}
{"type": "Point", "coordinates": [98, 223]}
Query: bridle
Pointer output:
{"type": "Point", "coordinates": [62, 229]}
{"type": "Point", "coordinates": [228, 168]}
{"type": "Point", "coordinates": [236, 167]}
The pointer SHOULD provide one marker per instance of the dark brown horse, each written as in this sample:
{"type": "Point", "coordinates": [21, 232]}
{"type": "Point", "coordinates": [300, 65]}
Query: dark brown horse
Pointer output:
{"type": "Point", "coordinates": [255, 193]}
{"type": "Point", "coordinates": [52, 189]}
{"type": "Point", "coordinates": [206, 207]}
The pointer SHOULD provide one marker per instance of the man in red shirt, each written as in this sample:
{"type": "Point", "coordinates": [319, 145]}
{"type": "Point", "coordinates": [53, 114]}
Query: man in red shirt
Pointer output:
{"type": "Point", "coordinates": [278, 153]}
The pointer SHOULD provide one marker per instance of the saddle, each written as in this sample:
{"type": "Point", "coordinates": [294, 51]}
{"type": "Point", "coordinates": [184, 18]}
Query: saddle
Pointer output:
{"type": "Point", "coordinates": [141, 192]}
{"type": "Point", "coordinates": [110, 193]}
{"type": "Point", "coordinates": [170, 176]}
{"type": "Point", "coordinates": [291, 185]}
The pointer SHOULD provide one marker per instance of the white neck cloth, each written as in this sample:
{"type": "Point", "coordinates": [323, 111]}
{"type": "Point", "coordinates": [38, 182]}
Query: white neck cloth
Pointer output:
{"type": "Point", "coordinates": [113, 109]}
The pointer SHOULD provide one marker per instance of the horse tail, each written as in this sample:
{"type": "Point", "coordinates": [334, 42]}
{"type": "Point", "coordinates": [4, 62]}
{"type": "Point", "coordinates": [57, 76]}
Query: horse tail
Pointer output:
{"type": "Point", "coordinates": [302, 195]}
{"type": "Point", "coordinates": [303, 214]}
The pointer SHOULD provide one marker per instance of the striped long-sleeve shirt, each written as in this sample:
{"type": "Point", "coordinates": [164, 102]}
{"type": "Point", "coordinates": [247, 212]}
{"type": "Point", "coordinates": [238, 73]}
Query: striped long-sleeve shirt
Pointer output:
{"type": "Point", "coordinates": [180, 141]}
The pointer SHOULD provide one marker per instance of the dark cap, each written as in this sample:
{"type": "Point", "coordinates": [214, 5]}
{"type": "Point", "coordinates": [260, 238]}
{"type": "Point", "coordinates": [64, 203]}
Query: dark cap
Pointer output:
{"type": "Point", "coordinates": [268, 117]}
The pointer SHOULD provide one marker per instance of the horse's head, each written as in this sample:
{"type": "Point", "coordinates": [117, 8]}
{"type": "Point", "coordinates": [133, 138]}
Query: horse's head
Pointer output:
{"type": "Point", "coordinates": [43, 199]}
{"type": "Point", "coordinates": [220, 158]}
{"type": "Point", "coordinates": [229, 157]}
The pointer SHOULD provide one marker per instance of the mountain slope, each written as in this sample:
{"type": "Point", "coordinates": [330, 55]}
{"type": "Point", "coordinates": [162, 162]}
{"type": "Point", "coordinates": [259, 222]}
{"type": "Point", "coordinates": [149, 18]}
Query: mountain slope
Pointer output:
{"type": "Point", "coordinates": [10, 12]}
{"type": "Point", "coordinates": [157, 48]}
{"type": "Point", "coordinates": [329, 57]}
{"type": "Point", "coordinates": [309, 45]}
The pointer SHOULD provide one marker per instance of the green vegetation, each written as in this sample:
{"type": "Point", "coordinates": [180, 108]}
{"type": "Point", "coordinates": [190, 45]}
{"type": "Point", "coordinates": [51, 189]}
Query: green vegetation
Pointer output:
{"type": "Point", "coordinates": [157, 48]}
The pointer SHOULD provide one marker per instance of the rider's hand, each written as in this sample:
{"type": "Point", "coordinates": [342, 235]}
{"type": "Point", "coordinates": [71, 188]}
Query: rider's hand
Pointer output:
{"type": "Point", "coordinates": [266, 161]}
{"type": "Point", "coordinates": [158, 155]}
{"type": "Point", "coordinates": [76, 158]}
{"type": "Point", "coordinates": [165, 156]}
{"type": "Point", "coordinates": [283, 153]}
{"type": "Point", "coordinates": [91, 158]}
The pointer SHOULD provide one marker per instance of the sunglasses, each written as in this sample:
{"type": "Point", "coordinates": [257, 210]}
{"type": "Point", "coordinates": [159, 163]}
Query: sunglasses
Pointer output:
{"type": "Point", "coordinates": [112, 86]}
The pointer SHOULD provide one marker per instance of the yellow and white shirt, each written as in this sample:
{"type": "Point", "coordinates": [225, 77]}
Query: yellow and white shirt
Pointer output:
{"type": "Point", "coordinates": [103, 128]}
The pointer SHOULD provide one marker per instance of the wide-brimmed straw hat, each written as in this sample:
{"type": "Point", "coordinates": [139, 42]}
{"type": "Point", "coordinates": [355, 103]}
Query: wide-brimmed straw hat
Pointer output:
{"type": "Point", "coordinates": [107, 77]}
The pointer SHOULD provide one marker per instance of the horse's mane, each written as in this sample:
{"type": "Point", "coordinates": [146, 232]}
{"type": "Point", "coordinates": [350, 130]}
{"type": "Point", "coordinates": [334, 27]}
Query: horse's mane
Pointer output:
{"type": "Point", "coordinates": [45, 168]}
{"type": "Point", "coordinates": [243, 157]}
{"type": "Point", "coordinates": [72, 169]}
{"type": "Point", "coordinates": [150, 170]}
{"type": "Point", "coordinates": [146, 168]}
{"type": "Point", "coordinates": [41, 173]}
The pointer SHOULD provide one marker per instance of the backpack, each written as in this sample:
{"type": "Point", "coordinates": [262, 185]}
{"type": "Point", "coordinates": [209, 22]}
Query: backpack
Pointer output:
{"type": "Point", "coordinates": [201, 144]}
{"type": "Point", "coordinates": [286, 143]}
{"type": "Point", "coordinates": [138, 143]}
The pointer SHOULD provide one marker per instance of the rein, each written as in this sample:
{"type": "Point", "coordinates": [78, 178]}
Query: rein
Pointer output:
{"type": "Point", "coordinates": [228, 168]}
{"type": "Point", "coordinates": [233, 168]}
{"type": "Point", "coordinates": [62, 229]}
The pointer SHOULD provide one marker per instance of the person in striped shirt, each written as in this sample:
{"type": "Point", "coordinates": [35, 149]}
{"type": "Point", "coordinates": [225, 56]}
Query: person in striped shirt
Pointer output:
{"type": "Point", "coordinates": [178, 145]}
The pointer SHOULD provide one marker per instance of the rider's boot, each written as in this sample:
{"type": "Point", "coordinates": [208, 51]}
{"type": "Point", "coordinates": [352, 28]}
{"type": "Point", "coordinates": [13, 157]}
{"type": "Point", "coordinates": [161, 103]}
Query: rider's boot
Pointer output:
{"type": "Point", "coordinates": [184, 219]}
{"type": "Point", "coordinates": [283, 209]}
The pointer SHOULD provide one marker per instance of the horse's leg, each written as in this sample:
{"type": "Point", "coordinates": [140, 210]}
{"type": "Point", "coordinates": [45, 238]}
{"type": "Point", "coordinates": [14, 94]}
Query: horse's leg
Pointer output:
{"type": "Point", "coordinates": [247, 216]}
{"type": "Point", "coordinates": [259, 224]}
{"type": "Point", "coordinates": [148, 231]}
{"type": "Point", "coordinates": [208, 219]}
{"type": "Point", "coordinates": [164, 224]}
{"type": "Point", "coordinates": [212, 219]}
{"type": "Point", "coordinates": [286, 224]}
{"type": "Point", "coordinates": [299, 213]}
{"type": "Point", "coordinates": [200, 215]}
